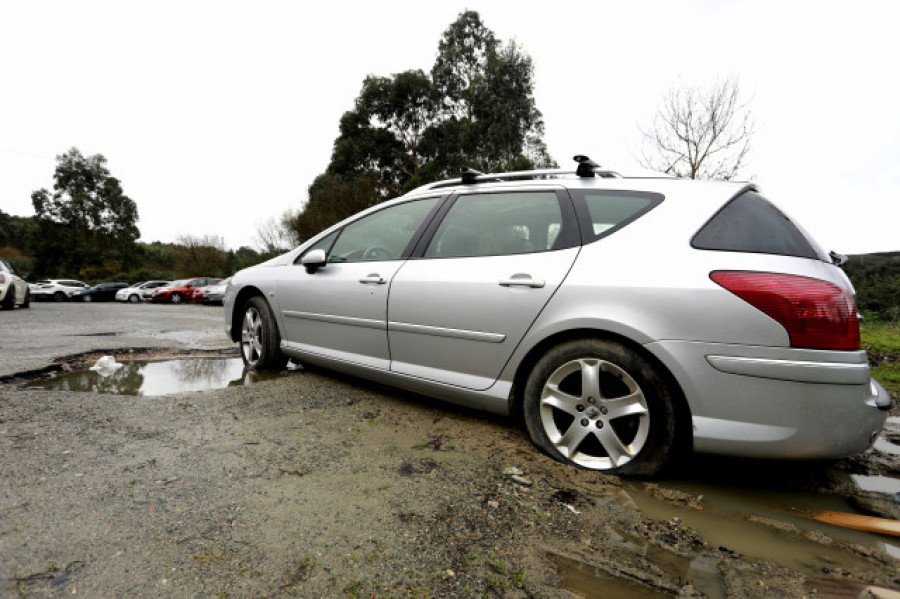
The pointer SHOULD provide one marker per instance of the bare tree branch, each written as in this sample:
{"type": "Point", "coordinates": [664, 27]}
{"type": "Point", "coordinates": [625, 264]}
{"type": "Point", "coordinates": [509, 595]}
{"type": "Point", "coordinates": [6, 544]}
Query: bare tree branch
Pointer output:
{"type": "Point", "coordinates": [699, 133]}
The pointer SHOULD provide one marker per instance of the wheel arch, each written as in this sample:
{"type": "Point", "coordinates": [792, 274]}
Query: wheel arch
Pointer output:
{"type": "Point", "coordinates": [237, 313]}
{"type": "Point", "coordinates": [684, 427]}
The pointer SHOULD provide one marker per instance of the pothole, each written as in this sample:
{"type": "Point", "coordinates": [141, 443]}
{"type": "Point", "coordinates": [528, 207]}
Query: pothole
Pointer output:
{"type": "Point", "coordinates": [163, 377]}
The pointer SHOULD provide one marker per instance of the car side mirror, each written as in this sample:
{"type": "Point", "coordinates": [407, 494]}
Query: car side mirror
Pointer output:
{"type": "Point", "coordinates": [314, 260]}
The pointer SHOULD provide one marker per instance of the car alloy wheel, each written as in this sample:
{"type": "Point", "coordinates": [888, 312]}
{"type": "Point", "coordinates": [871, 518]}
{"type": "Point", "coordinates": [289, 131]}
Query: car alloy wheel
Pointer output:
{"type": "Point", "coordinates": [87, 298]}
{"type": "Point", "coordinates": [59, 296]}
{"type": "Point", "coordinates": [259, 337]}
{"type": "Point", "coordinates": [176, 298]}
{"type": "Point", "coordinates": [133, 298]}
{"type": "Point", "coordinates": [601, 406]}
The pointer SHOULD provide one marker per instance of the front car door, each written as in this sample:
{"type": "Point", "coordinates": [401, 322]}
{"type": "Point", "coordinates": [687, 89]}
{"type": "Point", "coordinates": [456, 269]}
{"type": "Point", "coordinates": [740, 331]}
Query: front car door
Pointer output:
{"type": "Point", "coordinates": [339, 311]}
{"type": "Point", "coordinates": [460, 308]}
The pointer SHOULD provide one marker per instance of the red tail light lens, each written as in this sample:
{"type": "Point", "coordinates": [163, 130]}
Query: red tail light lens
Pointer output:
{"type": "Point", "coordinates": [816, 314]}
{"type": "Point", "coordinates": [2, 278]}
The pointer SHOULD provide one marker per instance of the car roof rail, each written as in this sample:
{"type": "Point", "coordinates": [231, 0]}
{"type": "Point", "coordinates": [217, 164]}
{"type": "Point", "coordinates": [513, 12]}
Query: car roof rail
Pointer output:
{"type": "Point", "coordinates": [469, 176]}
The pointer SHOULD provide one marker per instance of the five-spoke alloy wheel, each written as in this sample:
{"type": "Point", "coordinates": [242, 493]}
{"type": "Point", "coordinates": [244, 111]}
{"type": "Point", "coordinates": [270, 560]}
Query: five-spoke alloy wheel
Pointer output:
{"type": "Point", "coordinates": [600, 405]}
{"type": "Point", "coordinates": [260, 340]}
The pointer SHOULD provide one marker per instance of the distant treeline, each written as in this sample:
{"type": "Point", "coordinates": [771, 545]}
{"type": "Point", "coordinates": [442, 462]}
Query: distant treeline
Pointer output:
{"type": "Point", "coordinates": [877, 281]}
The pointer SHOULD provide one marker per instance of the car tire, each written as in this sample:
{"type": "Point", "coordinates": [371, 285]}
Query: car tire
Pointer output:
{"type": "Point", "coordinates": [86, 298]}
{"type": "Point", "coordinates": [27, 302]}
{"type": "Point", "coordinates": [176, 298]}
{"type": "Point", "coordinates": [134, 298]}
{"type": "Point", "coordinates": [623, 423]}
{"type": "Point", "coordinates": [59, 296]}
{"type": "Point", "coordinates": [260, 340]}
{"type": "Point", "coordinates": [9, 302]}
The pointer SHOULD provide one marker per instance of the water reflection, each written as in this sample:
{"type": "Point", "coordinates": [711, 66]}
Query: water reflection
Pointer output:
{"type": "Point", "coordinates": [159, 378]}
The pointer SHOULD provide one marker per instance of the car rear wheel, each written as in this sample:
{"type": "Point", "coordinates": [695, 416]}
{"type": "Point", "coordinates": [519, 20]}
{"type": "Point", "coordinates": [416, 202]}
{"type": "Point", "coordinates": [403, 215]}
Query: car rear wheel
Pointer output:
{"type": "Point", "coordinates": [59, 296]}
{"type": "Point", "coordinates": [27, 302]}
{"type": "Point", "coordinates": [600, 405]}
{"type": "Point", "coordinates": [9, 302]}
{"type": "Point", "coordinates": [87, 298]}
{"type": "Point", "coordinates": [134, 298]}
{"type": "Point", "coordinates": [260, 340]}
{"type": "Point", "coordinates": [176, 298]}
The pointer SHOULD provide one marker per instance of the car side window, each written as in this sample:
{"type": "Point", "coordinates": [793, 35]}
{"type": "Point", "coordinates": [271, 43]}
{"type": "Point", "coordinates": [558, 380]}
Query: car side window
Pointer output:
{"type": "Point", "coordinates": [382, 235]}
{"type": "Point", "coordinates": [499, 224]}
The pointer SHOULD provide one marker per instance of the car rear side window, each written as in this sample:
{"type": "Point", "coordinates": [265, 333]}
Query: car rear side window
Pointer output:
{"type": "Point", "coordinates": [499, 224]}
{"type": "Point", "coordinates": [750, 223]}
{"type": "Point", "coordinates": [603, 212]}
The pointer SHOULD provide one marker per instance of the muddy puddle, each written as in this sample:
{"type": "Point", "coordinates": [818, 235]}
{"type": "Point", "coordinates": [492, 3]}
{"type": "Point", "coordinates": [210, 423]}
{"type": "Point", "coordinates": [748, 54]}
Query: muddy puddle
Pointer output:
{"type": "Point", "coordinates": [766, 510]}
{"type": "Point", "coordinates": [149, 378]}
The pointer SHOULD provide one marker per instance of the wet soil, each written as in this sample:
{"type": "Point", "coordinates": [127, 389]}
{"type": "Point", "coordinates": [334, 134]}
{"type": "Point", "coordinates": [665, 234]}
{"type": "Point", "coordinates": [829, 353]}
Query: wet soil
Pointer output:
{"type": "Point", "coordinates": [314, 485]}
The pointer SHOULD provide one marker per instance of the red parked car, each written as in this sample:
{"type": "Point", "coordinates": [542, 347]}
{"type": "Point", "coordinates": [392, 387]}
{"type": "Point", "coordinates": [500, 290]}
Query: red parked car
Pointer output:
{"type": "Point", "coordinates": [181, 290]}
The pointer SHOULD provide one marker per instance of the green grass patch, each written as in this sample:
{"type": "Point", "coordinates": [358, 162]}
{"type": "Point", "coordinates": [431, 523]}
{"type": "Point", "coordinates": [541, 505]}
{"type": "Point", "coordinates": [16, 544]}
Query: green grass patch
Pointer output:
{"type": "Point", "coordinates": [880, 337]}
{"type": "Point", "coordinates": [882, 341]}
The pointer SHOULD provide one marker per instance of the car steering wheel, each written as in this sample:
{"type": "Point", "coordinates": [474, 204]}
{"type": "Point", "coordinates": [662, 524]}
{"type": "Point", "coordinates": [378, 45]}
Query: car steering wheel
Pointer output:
{"type": "Point", "coordinates": [376, 252]}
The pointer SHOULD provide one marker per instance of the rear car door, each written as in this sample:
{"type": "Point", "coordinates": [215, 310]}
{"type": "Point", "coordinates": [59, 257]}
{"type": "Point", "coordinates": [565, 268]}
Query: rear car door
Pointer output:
{"type": "Point", "coordinates": [459, 309]}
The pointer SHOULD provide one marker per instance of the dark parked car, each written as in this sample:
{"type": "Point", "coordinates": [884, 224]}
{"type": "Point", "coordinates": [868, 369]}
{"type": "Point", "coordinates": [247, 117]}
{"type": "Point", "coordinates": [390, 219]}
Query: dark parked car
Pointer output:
{"type": "Point", "coordinates": [101, 292]}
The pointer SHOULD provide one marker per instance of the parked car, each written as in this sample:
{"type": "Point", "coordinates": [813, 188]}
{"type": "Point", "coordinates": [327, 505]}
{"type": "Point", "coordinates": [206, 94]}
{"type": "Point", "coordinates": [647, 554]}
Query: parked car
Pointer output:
{"type": "Point", "coordinates": [59, 290]}
{"type": "Point", "coordinates": [626, 319]}
{"type": "Point", "coordinates": [139, 291]}
{"type": "Point", "coordinates": [181, 290]}
{"type": "Point", "coordinates": [13, 289]}
{"type": "Point", "coordinates": [201, 293]}
{"type": "Point", "coordinates": [101, 292]}
{"type": "Point", "coordinates": [215, 293]}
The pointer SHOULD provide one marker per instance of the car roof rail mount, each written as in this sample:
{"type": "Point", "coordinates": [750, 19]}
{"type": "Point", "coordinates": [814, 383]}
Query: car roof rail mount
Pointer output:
{"type": "Point", "coordinates": [469, 176]}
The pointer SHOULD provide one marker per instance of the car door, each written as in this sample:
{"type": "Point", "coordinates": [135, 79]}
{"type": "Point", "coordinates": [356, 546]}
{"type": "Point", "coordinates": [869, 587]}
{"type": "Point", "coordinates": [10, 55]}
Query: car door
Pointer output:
{"type": "Point", "coordinates": [459, 310]}
{"type": "Point", "coordinates": [340, 309]}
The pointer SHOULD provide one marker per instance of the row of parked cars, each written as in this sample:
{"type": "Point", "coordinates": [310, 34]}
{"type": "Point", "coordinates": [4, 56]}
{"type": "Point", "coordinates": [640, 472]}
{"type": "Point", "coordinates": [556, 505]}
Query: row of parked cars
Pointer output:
{"type": "Point", "coordinates": [208, 290]}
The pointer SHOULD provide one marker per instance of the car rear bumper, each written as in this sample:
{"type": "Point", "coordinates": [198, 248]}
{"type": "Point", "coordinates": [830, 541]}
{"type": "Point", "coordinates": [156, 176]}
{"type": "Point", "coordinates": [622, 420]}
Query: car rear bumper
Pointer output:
{"type": "Point", "coordinates": [777, 402]}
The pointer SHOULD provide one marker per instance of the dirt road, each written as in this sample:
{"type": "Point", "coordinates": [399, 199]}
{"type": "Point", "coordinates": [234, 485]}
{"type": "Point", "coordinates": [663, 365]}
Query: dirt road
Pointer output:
{"type": "Point", "coordinates": [312, 485]}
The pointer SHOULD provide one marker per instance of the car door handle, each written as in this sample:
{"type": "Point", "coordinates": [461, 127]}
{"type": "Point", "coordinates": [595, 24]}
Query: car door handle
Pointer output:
{"type": "Point", "coordinates": [522, 280]}
{"type": "Point", "coordinates": [373, 278]}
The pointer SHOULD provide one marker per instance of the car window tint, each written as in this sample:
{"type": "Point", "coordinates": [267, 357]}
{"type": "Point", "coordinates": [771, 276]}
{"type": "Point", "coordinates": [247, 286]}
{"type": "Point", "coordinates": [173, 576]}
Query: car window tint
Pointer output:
{"type": "Point", "coordinates": [382, 235]}
{"type": "Point", "coordinates": [750, 223]}
{"type": "Point", "coordinates": [609, 211]}
{"type": "Point", "coordinates": [498, 224]}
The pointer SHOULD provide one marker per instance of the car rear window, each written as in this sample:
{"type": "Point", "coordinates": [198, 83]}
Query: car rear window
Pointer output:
{"type": "Point", "coordinates": [604, 212]}
{"type": "Point", "coordinates": [750, 223]}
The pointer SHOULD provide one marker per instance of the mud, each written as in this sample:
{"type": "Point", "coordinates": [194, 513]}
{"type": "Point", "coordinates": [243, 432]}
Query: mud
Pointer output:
{"type": "Point", "coordinates": [314, 485]}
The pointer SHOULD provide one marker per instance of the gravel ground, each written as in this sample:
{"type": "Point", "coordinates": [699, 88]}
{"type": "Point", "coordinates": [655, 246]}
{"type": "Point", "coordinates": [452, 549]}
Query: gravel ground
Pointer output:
{"type": "Point", "coordinates": [314, 485]}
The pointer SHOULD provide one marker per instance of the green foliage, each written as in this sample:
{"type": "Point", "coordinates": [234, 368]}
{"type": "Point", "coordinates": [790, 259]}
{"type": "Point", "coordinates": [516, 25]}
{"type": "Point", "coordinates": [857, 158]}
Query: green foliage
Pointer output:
{"type": "Point", "coordinates": [475, 108]}
{"type": "Point", "coordinates": [332, 198]}
{"type": "Point", "coordinates": [881, 340]}
{"type": "Point", "coordinates": [876, 278]}
{"type": "Point", "coordinates": [86, 223]}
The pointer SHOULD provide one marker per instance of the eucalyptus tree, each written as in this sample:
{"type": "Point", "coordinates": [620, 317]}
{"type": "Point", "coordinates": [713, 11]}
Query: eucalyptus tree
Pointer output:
{"type": "Point", "coordinates": [475, 108]}
{"type": "Point", "coordinates": [87, 223]}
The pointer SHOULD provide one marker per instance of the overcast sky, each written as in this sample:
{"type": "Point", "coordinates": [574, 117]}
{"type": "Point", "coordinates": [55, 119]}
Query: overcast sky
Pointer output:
{"type": "Point", "coordinates": [217, 115]}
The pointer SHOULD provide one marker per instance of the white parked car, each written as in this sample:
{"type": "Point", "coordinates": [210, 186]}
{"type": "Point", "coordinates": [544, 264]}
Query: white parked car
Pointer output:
{"type": "Point", "coordinates": [139, 291]}
{"type": "Point", "coordinates": [13, 289]}
{"type": "Point", "coordinates": [58, 290]}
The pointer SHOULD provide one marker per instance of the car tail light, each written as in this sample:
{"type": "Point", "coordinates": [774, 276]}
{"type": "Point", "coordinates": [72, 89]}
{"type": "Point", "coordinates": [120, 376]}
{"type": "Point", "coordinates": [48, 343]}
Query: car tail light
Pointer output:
{"type": "Point", "coordinates": [816, 314]}
{"type": "Point", "coordinates": [2, 278]}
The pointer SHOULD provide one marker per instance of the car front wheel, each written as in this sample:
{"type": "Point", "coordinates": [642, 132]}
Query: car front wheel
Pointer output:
{"type": "Point", "coordinates": [602, 406]}
{"type": "Point", "coordinates": [176, 298]}
{"type": "Point", "coordinates": [260, 340]}
{"type": "Point", "coordinates": [133, 298]}
{"type": "Point", "coordinates": [59, 296]}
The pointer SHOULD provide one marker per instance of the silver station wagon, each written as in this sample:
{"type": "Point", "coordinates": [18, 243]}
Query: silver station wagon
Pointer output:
{"type": "Point", "coordinates": [626, 319]}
